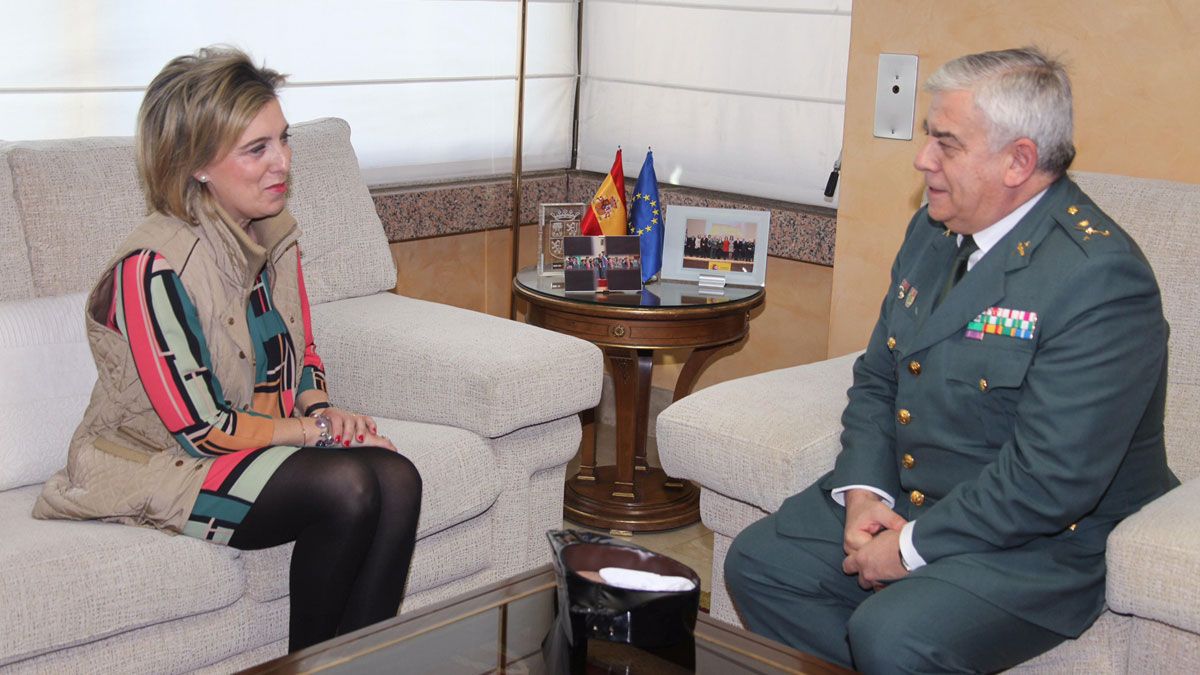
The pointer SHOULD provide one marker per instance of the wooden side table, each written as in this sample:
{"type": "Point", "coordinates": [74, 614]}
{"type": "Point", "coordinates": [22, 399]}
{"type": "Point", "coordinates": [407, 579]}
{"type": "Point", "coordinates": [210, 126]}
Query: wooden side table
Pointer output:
{"type": "Point", "coordinates": [631, 495]}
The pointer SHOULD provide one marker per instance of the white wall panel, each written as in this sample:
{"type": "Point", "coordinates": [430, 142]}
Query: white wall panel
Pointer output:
{"type": "Point", "coordinates": [777, 148]}
{"type": "Point", "coordinates": [739, 96]}
{"type": "Point", "coordinates": [771, 53]}
{"type": "Point", "coordinates": [445, 129]}
{"type": "Point", "coordinates": [78, 68]}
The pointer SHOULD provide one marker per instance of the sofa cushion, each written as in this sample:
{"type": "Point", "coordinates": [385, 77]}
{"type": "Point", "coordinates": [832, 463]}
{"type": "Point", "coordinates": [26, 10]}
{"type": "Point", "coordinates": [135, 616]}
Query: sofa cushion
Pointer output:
{"type": "Point", "coordinates": [1153, 557]}
{"type": "Point", "coordinates": [1161, 216]}
{"type": "Point", "coordinates": [785, 424]}
{"type": "Point", "coordinates": [345, 250]}
{"type": "Point", "coordinates": [78, 198]}
{"type": "Point", "coordinates": [460, 480]}
{"type": "Point", "coordinates": [66, 583]}
{"type": "Point", "coordinates": [48, 373]}
{"type": "Point", "coordinates": [429, 362]}
{"type": "Point", "coordinates": [14, 257]}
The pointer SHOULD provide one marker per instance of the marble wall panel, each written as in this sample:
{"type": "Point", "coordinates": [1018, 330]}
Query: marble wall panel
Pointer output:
{"type": "Point", "coordinates": [798, 232]}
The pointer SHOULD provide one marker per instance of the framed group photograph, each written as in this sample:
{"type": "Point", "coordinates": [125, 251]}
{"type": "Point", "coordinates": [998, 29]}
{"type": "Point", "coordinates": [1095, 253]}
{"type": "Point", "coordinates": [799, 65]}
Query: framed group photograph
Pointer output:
{"type": "Point", "coordinates": [555, 223]}
{"type": "Point", "coordinates": [729, 243]}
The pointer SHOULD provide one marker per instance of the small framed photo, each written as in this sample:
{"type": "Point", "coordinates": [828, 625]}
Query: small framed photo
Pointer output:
{"type": "Point", "coordinates": [602, 264]}
{"type": "Point", "coordinates": [556, 222]}
{"type": "Point", "coordinates": [726, 243]}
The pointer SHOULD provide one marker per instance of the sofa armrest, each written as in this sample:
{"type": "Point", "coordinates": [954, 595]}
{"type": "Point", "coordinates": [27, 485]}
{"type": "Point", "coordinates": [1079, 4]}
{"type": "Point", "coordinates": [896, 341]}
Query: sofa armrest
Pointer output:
{"type": "Point", "coordinates": [408, 359]}
{"type": "Point", "coordinates": [1154, 561]}
{"type": "Point", "coordinates": [759, 439]}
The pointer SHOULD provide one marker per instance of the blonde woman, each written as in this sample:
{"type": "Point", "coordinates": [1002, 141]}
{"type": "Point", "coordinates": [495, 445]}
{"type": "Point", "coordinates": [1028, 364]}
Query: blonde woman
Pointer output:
{"type": "Point", "coordinates": [210, 416]}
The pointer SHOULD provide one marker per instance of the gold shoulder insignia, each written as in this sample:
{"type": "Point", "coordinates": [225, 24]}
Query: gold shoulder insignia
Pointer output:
{"type": "Point", "coordinates": [1022, 247]}
{"type": "Point", "coordinates": [1086, 227]}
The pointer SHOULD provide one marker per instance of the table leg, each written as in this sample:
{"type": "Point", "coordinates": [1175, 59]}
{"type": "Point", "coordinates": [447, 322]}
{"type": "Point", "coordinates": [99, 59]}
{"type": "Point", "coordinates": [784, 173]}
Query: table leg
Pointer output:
{"type": "Point", "coordinates": [691, 370]}
{"type": "Point", "coordinates": [630, 496]}
{"type": "Point", "coordinates": [642, 403]}
{"type": "Point", "coordinates": [631, 376]}
{"type": "Point", "coordinates": [587, 448]}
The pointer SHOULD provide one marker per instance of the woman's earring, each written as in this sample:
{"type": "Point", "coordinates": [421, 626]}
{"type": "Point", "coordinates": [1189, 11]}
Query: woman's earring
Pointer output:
{"type": "Point", "coordinates": [203, 179]}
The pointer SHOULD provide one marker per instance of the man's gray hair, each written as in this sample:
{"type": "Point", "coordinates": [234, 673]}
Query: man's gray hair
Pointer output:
{"type": "Point", "coordinates": [1023, 94]}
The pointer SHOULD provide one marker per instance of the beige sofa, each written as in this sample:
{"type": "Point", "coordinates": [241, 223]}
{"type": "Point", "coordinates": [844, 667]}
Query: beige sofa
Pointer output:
{"type": "Point", "coordinates": [753, 442]}
{"type": "Point", "coordinates": [476, 401]}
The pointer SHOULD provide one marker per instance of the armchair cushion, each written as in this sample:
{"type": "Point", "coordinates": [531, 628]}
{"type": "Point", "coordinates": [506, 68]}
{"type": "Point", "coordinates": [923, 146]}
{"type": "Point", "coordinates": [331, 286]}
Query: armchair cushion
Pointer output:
{"type": "Point", "coordinates": [67, 583]}
{"type": "Point", "coordinates": [77, 199]}
{"type": "Point", "coordinates": [14, 256]}
{"type": "Point", "coordinates": [405, 359]}
{"type": "Point", "coordinates": [759, 439]}
{"type": "Point", "coordinates": [1154, 559]}
{"type": "Point", "coordinates": [344, 247]}
{"type": "Point", "coordinates": [46, 368]}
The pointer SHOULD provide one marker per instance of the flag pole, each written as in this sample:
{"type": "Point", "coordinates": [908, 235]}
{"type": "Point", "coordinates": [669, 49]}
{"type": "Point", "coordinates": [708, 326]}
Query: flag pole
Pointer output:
{"type": "Point", "coordinates": [517, 141]}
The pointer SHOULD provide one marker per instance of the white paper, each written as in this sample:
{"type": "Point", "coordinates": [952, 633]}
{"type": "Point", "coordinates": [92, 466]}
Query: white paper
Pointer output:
{"type": "Point", "coordinates": [638, 580]}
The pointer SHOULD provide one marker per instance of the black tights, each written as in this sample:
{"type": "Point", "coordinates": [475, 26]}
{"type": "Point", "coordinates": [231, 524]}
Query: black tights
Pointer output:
{"type": "Point", "coordinates": [353, 515]}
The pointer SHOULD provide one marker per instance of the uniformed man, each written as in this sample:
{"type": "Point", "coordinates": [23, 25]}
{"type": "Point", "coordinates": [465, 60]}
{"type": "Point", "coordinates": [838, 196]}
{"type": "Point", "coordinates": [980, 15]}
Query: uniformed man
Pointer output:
{"type": "Point", "coordinates": [1006, 415]}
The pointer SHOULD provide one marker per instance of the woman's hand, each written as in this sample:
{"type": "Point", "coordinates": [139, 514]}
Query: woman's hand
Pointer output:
{"type": "Point", "coordinates": [348, 429]}
{"type": "Point", "coordinates": [377, 440]}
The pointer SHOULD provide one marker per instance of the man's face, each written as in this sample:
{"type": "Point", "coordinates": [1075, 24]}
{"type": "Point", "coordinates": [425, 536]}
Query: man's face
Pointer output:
{"type": "Point", "coordinates": [963, 177]}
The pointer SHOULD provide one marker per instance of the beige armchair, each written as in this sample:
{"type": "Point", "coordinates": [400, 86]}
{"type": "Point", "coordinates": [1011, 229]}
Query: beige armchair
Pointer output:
{"type": "Point", "coordinates": [751, 443]}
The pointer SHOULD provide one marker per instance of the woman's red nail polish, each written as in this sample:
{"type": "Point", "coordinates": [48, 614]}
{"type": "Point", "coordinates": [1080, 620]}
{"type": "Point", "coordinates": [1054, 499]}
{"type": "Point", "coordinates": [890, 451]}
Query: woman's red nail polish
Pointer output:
{"type": "Point", "coordinates": [360, 438]}
{"type": "Point", "coordinates": [347, 444]}
{"type": "Point", "coordinates": [337, 439]}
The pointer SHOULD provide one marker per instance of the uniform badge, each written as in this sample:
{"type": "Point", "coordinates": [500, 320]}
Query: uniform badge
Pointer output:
{"type": "Point", "coordinates": [912, 297]}
{"type": "Point", "coordinates": [1001, 321]}
{"type": "Point", "coordinates": [902, 289]}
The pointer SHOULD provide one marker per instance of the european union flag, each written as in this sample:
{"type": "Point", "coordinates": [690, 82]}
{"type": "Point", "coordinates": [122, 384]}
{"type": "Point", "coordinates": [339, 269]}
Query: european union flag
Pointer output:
{"type": "Point", "coordinates": [646, 219]}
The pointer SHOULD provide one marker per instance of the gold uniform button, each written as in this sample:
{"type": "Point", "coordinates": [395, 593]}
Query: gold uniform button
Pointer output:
{"type": "Point", "coordinates": [903, 416]}
{"type": "Point", "coordinates": [983, 384]}
{"type": "Point", "coordinates": [891, 343]}
{"type": "Point", "coordinates": [907, 461]}
{"type": "Point", "coordinates": [1072, 210]}
{"type": "Point", "coordinates": [916, 497]}
{"type": "Point", "coordinates": [1073, 526]}
{"type": "Point", "coordinates": [914, 367]}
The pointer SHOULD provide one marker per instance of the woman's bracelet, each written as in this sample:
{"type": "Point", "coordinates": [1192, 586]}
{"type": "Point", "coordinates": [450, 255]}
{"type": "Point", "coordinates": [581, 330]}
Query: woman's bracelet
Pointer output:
{"type": "Point", "coordinates": [319, 405]}
{"type": "Point", "coordinates": [303, 431]}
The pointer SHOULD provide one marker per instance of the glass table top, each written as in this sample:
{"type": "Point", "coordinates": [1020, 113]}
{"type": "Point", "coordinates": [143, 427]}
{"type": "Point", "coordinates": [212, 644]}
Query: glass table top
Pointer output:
{"type": "Point", "coordinates": [674, 294]}
{"type": "Point", "coordinates": [500, 629]}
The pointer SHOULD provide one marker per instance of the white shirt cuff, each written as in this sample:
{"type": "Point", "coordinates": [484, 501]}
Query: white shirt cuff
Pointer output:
{"type": "Point", "coordinates": [912, 559]}
{"type": "Point", "coordinates": [838, 494]}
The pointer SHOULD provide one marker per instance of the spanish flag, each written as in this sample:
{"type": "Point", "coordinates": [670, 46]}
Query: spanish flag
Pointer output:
{"type": "Point", "coordinates": [606, 212]}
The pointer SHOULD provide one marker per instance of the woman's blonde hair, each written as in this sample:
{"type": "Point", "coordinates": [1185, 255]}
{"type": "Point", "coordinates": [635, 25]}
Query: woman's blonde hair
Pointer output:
{"type": "Point", "coordinates": [194, 111]}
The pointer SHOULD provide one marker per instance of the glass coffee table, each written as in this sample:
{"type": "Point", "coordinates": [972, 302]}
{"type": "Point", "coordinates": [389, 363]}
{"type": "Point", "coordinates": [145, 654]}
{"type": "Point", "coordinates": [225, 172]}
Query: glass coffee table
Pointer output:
{"type": "Point", "coordinates": [500, 628]}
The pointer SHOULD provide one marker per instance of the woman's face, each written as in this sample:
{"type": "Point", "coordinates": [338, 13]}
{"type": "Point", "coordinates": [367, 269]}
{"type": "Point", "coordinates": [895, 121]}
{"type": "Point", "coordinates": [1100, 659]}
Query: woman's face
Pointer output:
{"type": "Point", "coordinates": [250, 182]}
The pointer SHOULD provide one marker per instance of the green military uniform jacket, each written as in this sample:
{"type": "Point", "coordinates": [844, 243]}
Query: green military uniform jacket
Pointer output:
{"type": "Point", "coordinates": [1016, 440]}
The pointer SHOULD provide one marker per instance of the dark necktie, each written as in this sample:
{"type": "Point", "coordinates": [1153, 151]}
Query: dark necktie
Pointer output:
{"type": "Point", "coordinates": [958, 268]}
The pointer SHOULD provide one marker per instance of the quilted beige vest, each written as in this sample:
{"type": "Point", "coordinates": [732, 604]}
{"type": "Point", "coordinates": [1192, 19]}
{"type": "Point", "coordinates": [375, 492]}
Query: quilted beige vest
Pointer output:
{"type": "Point", "coordinates": [123, 464]}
